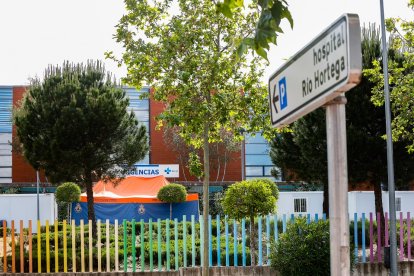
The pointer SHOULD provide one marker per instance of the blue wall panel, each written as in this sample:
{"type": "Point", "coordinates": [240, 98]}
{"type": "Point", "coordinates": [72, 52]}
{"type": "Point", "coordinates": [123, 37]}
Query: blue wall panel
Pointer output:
{"type": "Point", "coordinates": [6, 102]}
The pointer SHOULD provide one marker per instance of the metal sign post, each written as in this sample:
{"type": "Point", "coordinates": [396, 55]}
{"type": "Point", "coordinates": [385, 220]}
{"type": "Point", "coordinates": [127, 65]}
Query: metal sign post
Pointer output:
{"type": "Point", "coordinates": [390, 154]}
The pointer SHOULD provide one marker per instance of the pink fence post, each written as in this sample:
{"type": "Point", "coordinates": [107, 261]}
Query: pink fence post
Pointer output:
{"type": "Point", "coordinates": [379, 258]}
{"type": "Point", "coordinates": [371, 239]}
{"type": "Point", "coordinates": [401, 237]}
{"type": "Point", "coordinates": [408, 236]}
{"type": "Point", "coordinates": [386, 230]}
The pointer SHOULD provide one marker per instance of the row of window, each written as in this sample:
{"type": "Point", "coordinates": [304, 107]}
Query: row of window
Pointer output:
{"type": "Point", "coordinates": [140, 107]}
{"type": "Point", "coordinates": [257, 159]}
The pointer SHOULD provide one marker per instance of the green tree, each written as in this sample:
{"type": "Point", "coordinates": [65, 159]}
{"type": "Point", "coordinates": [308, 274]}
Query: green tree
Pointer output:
{"type": "Point", "coordinates": [401, 78]}
{"type": "Point", "coordinates": [272, 12]}
{"type": "Point", "coordinates": [75, 126]}
{"type": "Point", "coordinates": [67, 193]}
{"type": "Point", "coordinates": [303, 151]}
{"type": "Point", "coordinates": [189, 55]}
{"type": "Point", "coordinates": [172, 193]}
{"type": "Point", "coordinates": [251, 198]}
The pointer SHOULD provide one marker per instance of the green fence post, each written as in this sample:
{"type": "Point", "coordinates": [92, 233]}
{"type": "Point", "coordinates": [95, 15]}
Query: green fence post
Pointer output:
{"type": "Point", "coordinates": [124, 224]}
{"type": "Point", "coordinates": [176, 243]}
{"type": "Point", "coordinates": [235, 251]}
{"type": "Point", "coordinates": [193, 233]}
{"type": "Point", "coordinates": [201, 239]}
{"type": "Point", "coordinates": [218, 241]}
{"type": "Point", "coordinates": [142, 245]}
{"type": "Point", "coordinates": [184, 241]}
{"type": "Point", "coordinates": [167, 230]}
{"type": "Point", "coordinates": [150, 244]}
{"type": "Point", "coordinates": [134, 256]}
{"type": "Point", "coordinates": [159, 244]}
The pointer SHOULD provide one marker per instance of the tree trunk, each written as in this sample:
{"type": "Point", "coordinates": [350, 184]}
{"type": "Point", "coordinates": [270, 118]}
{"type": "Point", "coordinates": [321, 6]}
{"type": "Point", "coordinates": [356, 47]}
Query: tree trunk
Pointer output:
{"type": "Point", "coordinates": [218, 163]}
{"type": "Point", "coordinates": [68, 212]}
{"type": "Point", "coordinates": [325, 206]}
{"type": "Point", "coordinates": [206, 152]}
{"type": "Point", "coordinates": [379, 208]}
{"type": "Point", "coordinates": [252, 241]}
{"type": "Point", "coordinates": [225, 166]}
{"type": "Point", "coordinates": [91, 210]}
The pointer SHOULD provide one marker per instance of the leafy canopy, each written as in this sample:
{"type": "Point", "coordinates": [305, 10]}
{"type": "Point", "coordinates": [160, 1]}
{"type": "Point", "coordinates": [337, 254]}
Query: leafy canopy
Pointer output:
{"type": "Point", "coordinates": [172, 193]}
{"type": "Point", "coordinates": [401, 78]}
{"type": "Point", "coordinates": [249, 198]}
{"type": "Point", "coordinates": [272, 12]}
{"type": "Point", "coordinates": [74, 124]}
{"type": "Point", "coordinates": [189, 57]}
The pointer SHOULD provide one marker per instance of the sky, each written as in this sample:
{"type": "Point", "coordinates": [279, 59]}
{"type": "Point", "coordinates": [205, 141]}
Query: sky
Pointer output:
{"type": "Point", "coordinates": [36, 33]}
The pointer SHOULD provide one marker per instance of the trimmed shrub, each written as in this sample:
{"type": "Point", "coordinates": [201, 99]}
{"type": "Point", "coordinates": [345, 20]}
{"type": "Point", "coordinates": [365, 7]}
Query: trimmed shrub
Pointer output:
{"type": "Point", "coordinates": [65, 194]}
{"type": "Point", "coordinates": [172, 193]}
{"type": "Point", "coordinates": [68, 192]}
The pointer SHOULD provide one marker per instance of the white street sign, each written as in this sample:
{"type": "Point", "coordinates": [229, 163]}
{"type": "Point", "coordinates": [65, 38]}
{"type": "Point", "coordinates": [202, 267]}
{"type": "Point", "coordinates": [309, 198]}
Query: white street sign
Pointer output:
{"type": "Point", "coordinates": [328, 66]}
{"type": "Point", "coordinates": [151, 170]}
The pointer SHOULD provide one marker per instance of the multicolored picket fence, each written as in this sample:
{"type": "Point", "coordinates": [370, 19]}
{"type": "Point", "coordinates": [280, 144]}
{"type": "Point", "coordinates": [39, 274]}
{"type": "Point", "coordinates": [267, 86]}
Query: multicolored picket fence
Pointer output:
{"type": "Point", "coordinates": [169, 244]}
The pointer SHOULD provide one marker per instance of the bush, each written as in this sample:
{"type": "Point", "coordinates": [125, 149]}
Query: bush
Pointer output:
{"type": "Point", "coordinates": [304, 249]}
{"type": "Point", "coordinates": [65, 194]}
{"type": "Point", "coordinates": [68, 192]}
{"type": "Point", "coordinates": [172, 193]}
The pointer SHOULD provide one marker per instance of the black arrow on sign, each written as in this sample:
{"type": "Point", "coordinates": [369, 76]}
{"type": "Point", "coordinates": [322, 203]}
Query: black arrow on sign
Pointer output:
{"type": "Point", "coordinates": [275, 98]}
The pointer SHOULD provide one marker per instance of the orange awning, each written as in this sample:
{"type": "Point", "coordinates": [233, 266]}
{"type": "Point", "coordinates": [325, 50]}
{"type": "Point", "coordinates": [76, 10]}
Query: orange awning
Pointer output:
{"type": "Point", "coordinates": [131, 189]}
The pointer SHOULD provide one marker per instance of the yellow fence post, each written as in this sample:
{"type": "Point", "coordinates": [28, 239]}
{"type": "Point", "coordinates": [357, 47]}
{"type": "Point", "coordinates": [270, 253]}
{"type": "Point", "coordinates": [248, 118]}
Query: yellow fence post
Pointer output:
{"type": "Point", "coordinates": [56, 246]}
{"type": "Point", "coordinates": [39, 246]}
{"type": "Point", "coordinates": [21, 248]}
{"type": "Point", "coordinates": [98, 244]}
{"type": "Point", "coordinates": [108, 259]}
{"type": "Point", "coordinates": [65, 248]}
{"type": "Point", "coordinates": [116, 246]}
{"type": "Point", "coordinates": [30, 247]}
{"type": "Point", "coordinates": [82, 246]}
{"type": "Point", "coordinates": [90, 246]}
{"type": "Point", "coordinates": [47, 248]}
{"type": "Point", "coordinates": [4, 246]}
{"type": "Point", "coordinates": [13, 248]}
{"type": "Point", "coordinates": [73, 246]}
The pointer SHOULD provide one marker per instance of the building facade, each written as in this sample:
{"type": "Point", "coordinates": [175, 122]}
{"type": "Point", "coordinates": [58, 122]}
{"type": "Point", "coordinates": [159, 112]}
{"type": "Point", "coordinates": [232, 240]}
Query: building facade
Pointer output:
{"type": "Point", "coordinates": [251, 161]}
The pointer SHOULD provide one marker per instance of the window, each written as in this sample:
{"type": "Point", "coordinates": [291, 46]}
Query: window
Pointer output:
{"type": "Point", "coordinates": [398, 204]}
{"type": "Point", "coordinates": [300, 205]}
{"type": "Point", "coordinates": [254, 171]}
{"type": "Point", "coordinates": [257, 149]}
{"type": "Point", "coordinates": [258, 160]}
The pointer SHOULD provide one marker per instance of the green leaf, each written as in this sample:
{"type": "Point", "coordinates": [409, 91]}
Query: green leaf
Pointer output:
{"type": "Point", "coordinates": [286, 14]}
{"type": "Point", "coordinates": [241, 49]}
{"type": "Point", "coordinates": [225, 9]}
{"type": "Point", "coordinates": [261, 52]}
